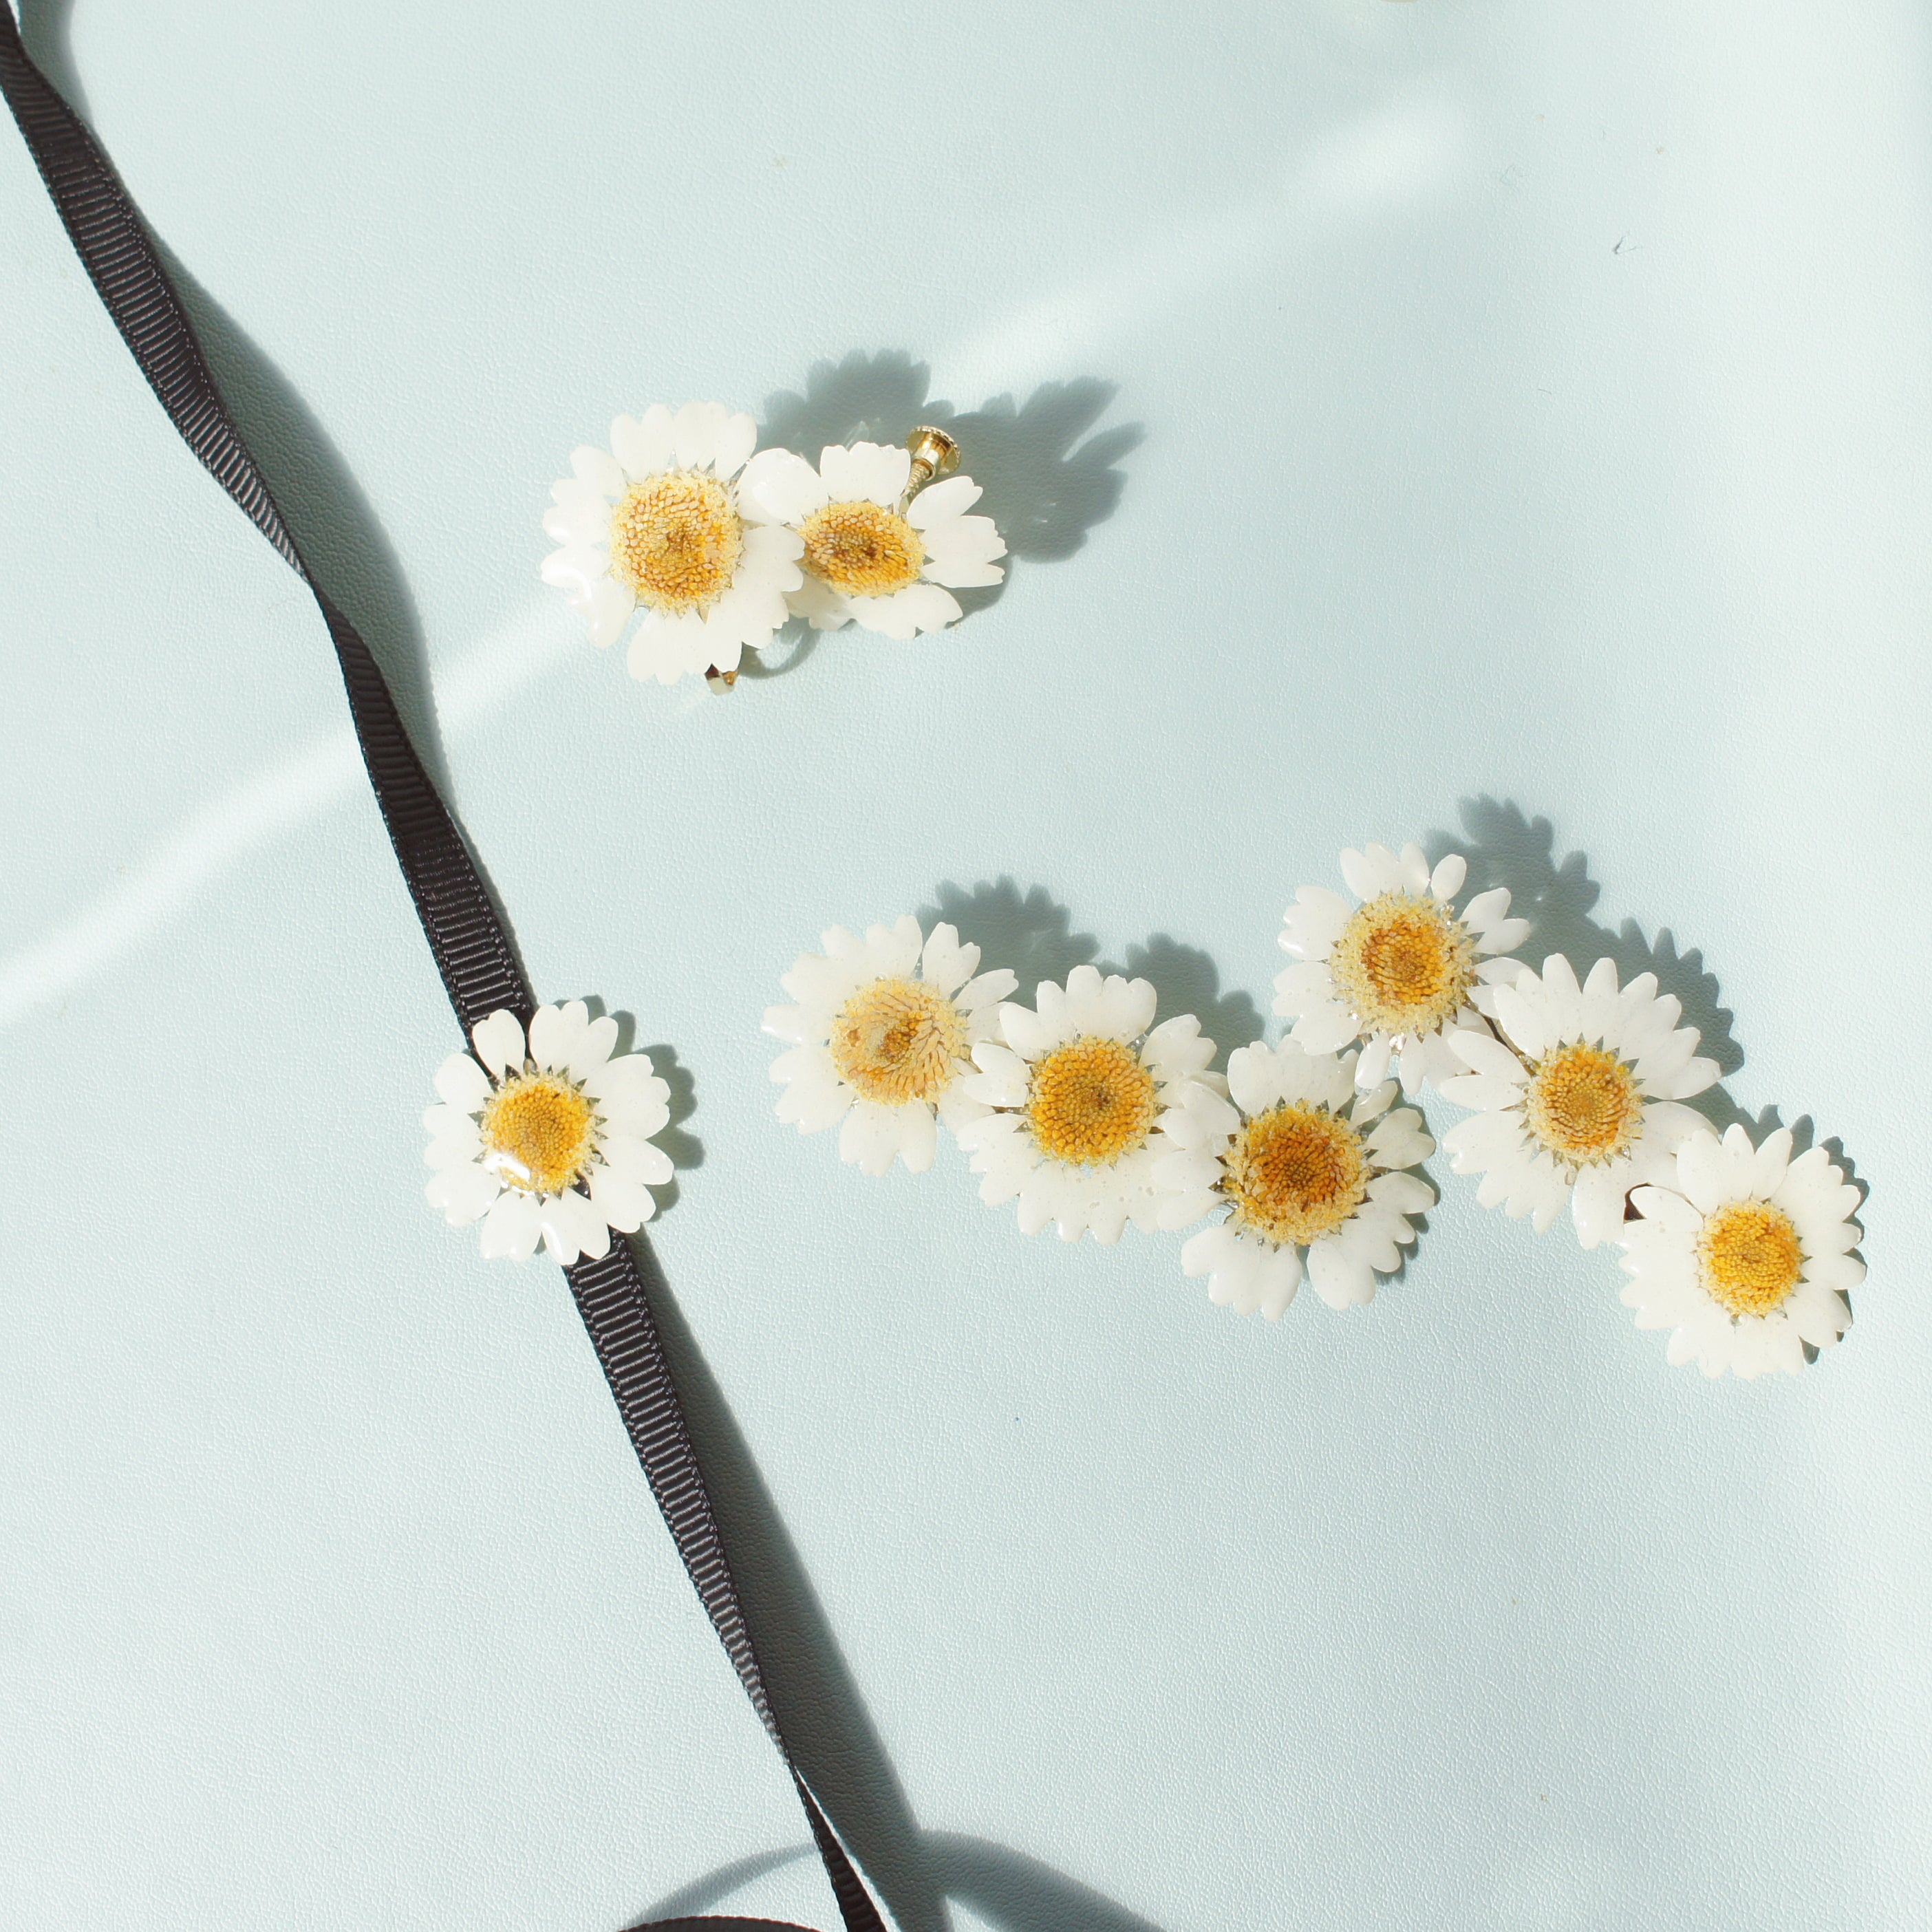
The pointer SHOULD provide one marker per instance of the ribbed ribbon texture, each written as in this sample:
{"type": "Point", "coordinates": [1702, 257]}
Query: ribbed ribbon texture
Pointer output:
{"type": "Point", "coordinates": [473, 949]}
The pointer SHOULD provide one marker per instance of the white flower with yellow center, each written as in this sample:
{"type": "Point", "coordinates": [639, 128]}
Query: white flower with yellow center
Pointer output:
{"type": "Point", "coordinates": [658, 523]}
{"type": "Point", "coordinates": [1585, 1107]}
{"type": "Point", "coordinates": [871, 555]}
{"type": "Point", "coordinates": [547, 1137]}
{"type": "Point", "coordinates": [1305, 1165]}
{"type": "Point", "coordinates": [1746, 1253]}
{"type": "Point", "coordinates": [1081, 1084]}
{"type": "Point", "coordinates": [882, 1034]}
{"type": "Point", "coordinates": [1402, 970]}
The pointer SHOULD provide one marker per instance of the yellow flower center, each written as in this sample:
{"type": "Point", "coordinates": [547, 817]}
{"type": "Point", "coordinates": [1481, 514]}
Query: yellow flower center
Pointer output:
{"type": "Point", "coordinates": [1295, 1173]}
{"type": "Point", "coordinates": [675, 540]}
{"type": "Point", "coordinates": [538, 1133]}
{"type": "Point", "coordinates": [861, 550]}
{"type": "Point", "coordinates": [1750, 1257]}
{"type": "Point", "coordinates": [1093, 1101]}
{"type": "Point", "coordinates": [1405, 963]}
{"type": "Point", "coordinates": [898, 1040]}
{"type": "Point", "coordinates": [1583, 1104]}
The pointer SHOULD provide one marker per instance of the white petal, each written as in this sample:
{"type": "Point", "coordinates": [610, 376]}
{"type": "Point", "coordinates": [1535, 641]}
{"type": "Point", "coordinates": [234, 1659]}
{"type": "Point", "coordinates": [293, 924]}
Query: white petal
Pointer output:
{"type": "Point", "coordinates": [905, 614]}
{"type": "Point", "coordinates": [961, 574]}
{"type": "Point", "coordinates": [625, 1204]}
{"type": "Point", "coordinates": [736, 439]}
{"type": "Point", "coordinates": [938, 502]}
{"type": "Point", "coordinates": [554, 1032]}
{"type": "Point", "coordinates": [779, 487]}
{"type": "Point", "coordinates": [695, 434]}
{"type": "Point", "coordinates": [462, 1193]}
{"type": "Point", "coordinates": [643, 447]}
{"type": "Point", "coordinates": [462, 1083]}
{"type": "Point", "coordinates": [598, 469]}
{"type": "Point", "coordinates": [498, 1041]}
{"type": "Point", "coordinates": [1342, 1279]}
{"type": "Point", "coordinates": [1324, 1029]}
{"type": "Point", "coordinates": [511, 1228]}
{"type": "Point", "coordinates": [1365, 878]}
{"type": "Point", "coordinates": [592, 1050]}
{"type": "Point", "coordinates": [1372, 1066]}
{"type": "Point", "coordinates": [1254, 1079]}
{"type": "Point", "coordinates": [1446, 881]}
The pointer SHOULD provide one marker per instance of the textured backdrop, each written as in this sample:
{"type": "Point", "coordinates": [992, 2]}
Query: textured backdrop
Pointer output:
{"type": "Point", "coordinates": [1501, 424]}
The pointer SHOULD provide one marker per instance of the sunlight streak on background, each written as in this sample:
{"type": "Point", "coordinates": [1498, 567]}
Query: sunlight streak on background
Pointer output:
{"type": "Point", "coordinates": [1381, 162]}
{"type": "Point", "coordinates": [278, 800]}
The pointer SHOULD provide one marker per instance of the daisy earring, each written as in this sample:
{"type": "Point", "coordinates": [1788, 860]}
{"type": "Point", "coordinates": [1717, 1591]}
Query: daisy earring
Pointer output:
{"type": "Point", "coordinates": [1079, 1088]}
{"type": "Point", "coordinates": [545, 1135]}
{"type": "Point", "coordinates": [1745, 1253]}
{"type": "Point", "coordinates": [657, 527]}
{"type": "Point", "coordinates": [1580, 1101]}
{"type": "Point", "coordinates": [883, 544]}
{"type": "Point", "coordinates": [1313, 1173]}
{"type": "Point", "coordinates": [882, 1030]}
{"type": "Point", "coordinates": [1401, 970]}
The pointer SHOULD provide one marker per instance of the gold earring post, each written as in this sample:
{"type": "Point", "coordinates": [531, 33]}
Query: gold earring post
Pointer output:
{"type": "Point", "coordinates": [934, 454]}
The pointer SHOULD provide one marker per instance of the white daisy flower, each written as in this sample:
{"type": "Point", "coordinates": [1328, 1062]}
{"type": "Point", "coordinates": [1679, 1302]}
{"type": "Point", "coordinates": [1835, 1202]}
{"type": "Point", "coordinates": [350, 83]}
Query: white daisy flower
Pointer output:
{"type": "Point", "coordinates": [1402, 970]}
{"type": "Point", "coordinates": [1299, 1168]}
{"type": "Point", "coordinates": [884, 1031]}
{"type": "Point", "coordinates": [1081, 1088]}
{"type": "Point", "coordinates": [870, 555]}
{"type": "Point", "coordinates": [660, 525]}
{"type": "Point", "coordinates": [1746, 1254]}
{"type": "Point", "coordinates": [549, 1138]}
{"type": "Point", "coordinates": [1586, 1108]}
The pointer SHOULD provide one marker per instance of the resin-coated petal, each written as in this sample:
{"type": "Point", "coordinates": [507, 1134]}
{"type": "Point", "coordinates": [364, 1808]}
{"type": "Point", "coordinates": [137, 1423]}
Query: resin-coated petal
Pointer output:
{"type": "Point", "coordinates": [461, 1083]}
{"type": "Point", "coordinates": [499, 1041]}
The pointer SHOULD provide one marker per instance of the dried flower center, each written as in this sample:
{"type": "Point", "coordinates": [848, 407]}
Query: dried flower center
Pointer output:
{"type": "Point", "coordinates": [675, 539]}
{"type": "Point", "coordinates": [1295, 1174]}
{"type": "Point", "coordinates": [898, 1040]}
{"type": "Point", "coordinates": [1584, 1105]}
{"type": "Point", "coordinates": [1750, 1257]}
{"type": "Point", "coordinates": [538, 1133]}
{"type": "Point", "coordinates": [861, 550]}
{"type": "Point", "coordinates": [1406, 964]}
{"type": "Point", "coordinates": [1093, 1102]}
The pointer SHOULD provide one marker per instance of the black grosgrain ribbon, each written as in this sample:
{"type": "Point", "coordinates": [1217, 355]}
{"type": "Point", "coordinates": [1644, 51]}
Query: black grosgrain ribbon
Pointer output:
{"type": "Point", "coordinates": [473, 952]}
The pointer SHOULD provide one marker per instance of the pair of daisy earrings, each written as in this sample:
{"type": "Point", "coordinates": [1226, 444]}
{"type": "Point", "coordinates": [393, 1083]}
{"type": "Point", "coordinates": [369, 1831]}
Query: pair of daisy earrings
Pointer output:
{"type": "Point", "coordinates": [1091, 1114]}
{"type": "Point", "coordinates": [710, 544]}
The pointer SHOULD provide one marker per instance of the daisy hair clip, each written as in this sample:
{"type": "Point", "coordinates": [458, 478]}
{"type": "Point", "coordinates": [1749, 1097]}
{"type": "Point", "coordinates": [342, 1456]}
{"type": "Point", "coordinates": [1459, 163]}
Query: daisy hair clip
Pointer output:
{"type": "Point", "coordinates": [702, 549]}
{"type": "Point", "coordinates": [1090, 1113]}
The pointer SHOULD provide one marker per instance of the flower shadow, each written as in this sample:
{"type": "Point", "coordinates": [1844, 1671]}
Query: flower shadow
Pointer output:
{"type": "Point", "coordinates": [1189, 982]}
{"type": "Point", "coordinates": [1032, 933]}
{"type": "Point", "coordinates": [686, 1150]}
{"type": "Point", "coordinates": [1504, 847]}
{"type": "Point", "coordinates": [1028, 931]}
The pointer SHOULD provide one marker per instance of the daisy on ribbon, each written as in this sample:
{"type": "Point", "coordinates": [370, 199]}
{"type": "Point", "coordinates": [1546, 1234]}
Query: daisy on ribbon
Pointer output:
{"type": "Point", "coordinates": [1402, 970]}
{"type": "Point", "coordinates": [871, 555]}
{"type": "Point", "coordinates": [1585, 1107]}
{"type": "Point", "coordinates": [547, 1137]}
{"type": "Point", "coordinates": [1746, 1253]}
{"type": "Point", "coordinates": [1081, 1085]}
{"type": "Point", "coordinates": [1306, 1166]}
{"type": "Point", "coordinates": [883, 1033]}
{"type": "Point", "coordinates": [657, 524]}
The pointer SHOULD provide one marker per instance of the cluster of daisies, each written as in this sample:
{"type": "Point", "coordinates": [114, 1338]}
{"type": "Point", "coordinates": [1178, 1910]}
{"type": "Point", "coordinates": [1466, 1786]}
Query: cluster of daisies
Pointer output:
{"type": "Point", "coordinates": [1089, 1112]}
{"type": "Point", "coordinates": [711, 547]}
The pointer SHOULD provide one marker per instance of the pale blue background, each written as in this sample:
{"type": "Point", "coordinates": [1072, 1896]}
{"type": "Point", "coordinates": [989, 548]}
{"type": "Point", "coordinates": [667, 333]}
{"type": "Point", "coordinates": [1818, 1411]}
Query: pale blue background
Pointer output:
{"type": "Point", "coordinates": [1525, 402]}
